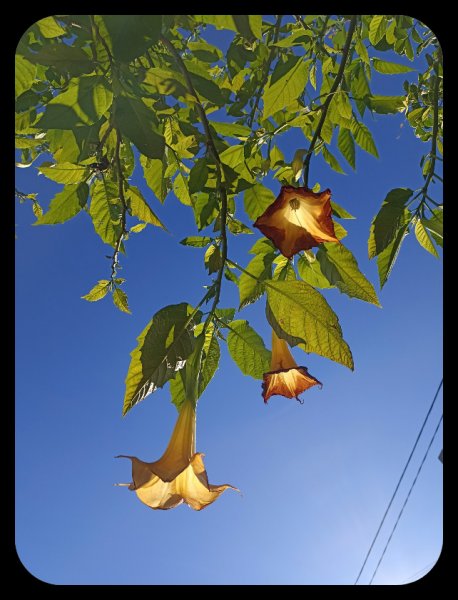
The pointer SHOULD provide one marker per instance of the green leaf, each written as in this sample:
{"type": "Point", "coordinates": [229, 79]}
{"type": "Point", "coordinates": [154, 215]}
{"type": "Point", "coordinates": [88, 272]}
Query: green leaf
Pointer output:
{"type": "Point", "coordinates": [37, 210]}
{"type": "Point", "coordinates": [304, 314]}
{"type": "Point", "coordinates": [205, 209]}
{"type": "Point", "coordinates": [387, 258]}
{"type": "Point", "coordinates": [65, 205]}
{"type": "Point", "coordinates": [24, 74]}
{"type": "Point", "coordinates": [363, 137]}
{"type": "Point", "coordinates": [180, 187]}
{"type": "Point", "coordinates": [120, 300]}
{"type": "Point", "coordinates": [153, 172]}
{"type": "Point", "coordinates": [209, 364]}
{"type": "Point", "coordinates": [257, 199]}
{"type": "Point", "coordinates": [105, 211]}
{"type": "Point", "coordinates": [332, 160]}
{"type": "Point", "coordinates": [65, 173]}
{"type": "Point", "coordinates": [249, 288]}
{"type": "Point", "coordinates": [202, 50]}
{"type": "Point", "coordinates": [85, 100]}
{"type": "Point", "coordinates": [249, 26]}
{"type": "Point", "coordinates": [163, 347]}
{"type": "Point", "coordinates": [298, 163]}
{"type": "Point", "coordinates": [138, 123]}
{"type": "Point", "coordinates": [377, 29]}
{"type": "Point", "coordinates": [262, 246]}
{"type": "Point", "coordinates": [286, 84]}
{"type": "Point", "coordinates": [343, 104]}
{"type": "Point", "coordinates": [435, 224]}
{"type": "Point", "coordinates": [63, 58]}
{"type": "Point", "coordinates": [198, 176]}
{"type": "Point", "coordinates": [386, 224]}
{"type": "Point", "coordinates": [137, 228]}
{"type": "Point", "coordinates": [99, 291]}
{"type": "Point", "coordinates": [231, 130]}
{"type": "Point", "coordinates": [389, 68]}
{"type": "Point", "coordinates": [311, 273]}
{"type": "Point", "coordinates": [362, 51]}
{"type": "Point", "coordinates": [212, 259]}
{"type": "Point", "coordinates": [247, 349]}
{"type": "Point", "coordinates": [424, 239]}
{"type": "Point", "coordinates": [340, 212]}
{"type": "Point", "coordinates": [284, 270]}
{"type": "Point", "coordinates": [339, 230]}
{"type": "Point", "coordinates": [140, 208]}
{"type": "Point", "coordinates": [385, 105]}
{"type": "Point", "coordinates": [340, 268]}
{"type": "Point", "coordinates": [50, 28]}
{"type": "Point", "coordinates": [196, 241]}
{"type": "Point", "coordinates": [236, 227]}
{"type": "Point", "coordinates": [131, 35]}
{"type": "Point", "coordinates": [346, 145]}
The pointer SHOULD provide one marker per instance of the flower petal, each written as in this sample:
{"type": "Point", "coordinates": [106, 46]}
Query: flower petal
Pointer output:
{"type": "Point", "coordinates": [287, 382]}
{"type": "Point", "coordinates": [298, 219]}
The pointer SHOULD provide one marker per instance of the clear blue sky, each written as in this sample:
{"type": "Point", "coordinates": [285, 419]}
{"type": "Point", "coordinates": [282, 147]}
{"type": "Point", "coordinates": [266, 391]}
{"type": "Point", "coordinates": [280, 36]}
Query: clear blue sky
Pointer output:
{"type": "Point", "coordinates": [315, 478]}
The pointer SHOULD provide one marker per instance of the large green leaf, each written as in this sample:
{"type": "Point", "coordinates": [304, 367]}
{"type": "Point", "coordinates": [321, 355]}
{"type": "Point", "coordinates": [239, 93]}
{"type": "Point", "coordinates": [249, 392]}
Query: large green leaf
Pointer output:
{"type": "Point", "coordinates": [63, 58]}
{"type": "Point", "coordinates": [50, 28]}
{"type": "Point", "coordinates": [138, 123]}
{"type": "Point", "coordinates": [24, 74]}
{"type": "Point", "coordinates": [196, 241]}
{"type": "Point", "coordinates": [131, 35]}
{"type": "Point", "coordinates": [377, 29]}
{"type": "Point", "coordinates": [257, 199]}
{"type": "Point", "coordinates": [209, 363]}
{"type": "Point", "coordinates": [250, 289]}
{"type": "Point", "coordinates": [84, 101]}
{"type": "Point", "coordinates": [105, 211]}
{"type": "Point", "coordinates": [65, 172]}
{"type": "Point", "coordinates": [389, 68]}
{"type": "Point", "coordinates": [65, 205]}
{"type": "Point", "coordinates": [231, 130]}
{"type": "Point", "coordinates": [304, 314]}
{"type": "Point", "coordinates": [386, 224]}
{"type": "Point", "coordinates": [310, 272]}
{"type": "Point", "coordinates": [340, 268]}
{"type": "Point", "coordinates": [181, 189]}
{"type": "Point", "coordinates": [247, 349]}
{"type": "Point", "coordinates": [385, 104]}
{"type": "Point", "coordinates": [140, 208]}
{"type": "Point", "coordinates": [163, 347]}
{"type": "Point", "coordinates": [286, 84]}
{"type": "Point", "coordinates": [387, 258]}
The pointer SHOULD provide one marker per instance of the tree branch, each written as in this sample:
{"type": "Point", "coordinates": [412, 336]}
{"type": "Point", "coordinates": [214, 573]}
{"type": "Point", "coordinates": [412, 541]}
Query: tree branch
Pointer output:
{"type": "Point", "coordinates": [335, 86]}
{"type": "Point", "coordinates": [219, 171]}
{"type": "Point", "coordinates": [265, 74]}
{"type": "Point", "coordinates": [114, 261]}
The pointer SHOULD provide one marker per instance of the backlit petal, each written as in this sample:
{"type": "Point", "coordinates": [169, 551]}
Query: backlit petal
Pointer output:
{"type": "Point", "coordinates": [298, 219]}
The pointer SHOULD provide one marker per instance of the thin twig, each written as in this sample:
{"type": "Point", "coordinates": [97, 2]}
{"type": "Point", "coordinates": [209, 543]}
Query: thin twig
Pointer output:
{"type": "Point", "coordinates": [265, 74]}
{"type": "Point", "coordinates": [335, 85]}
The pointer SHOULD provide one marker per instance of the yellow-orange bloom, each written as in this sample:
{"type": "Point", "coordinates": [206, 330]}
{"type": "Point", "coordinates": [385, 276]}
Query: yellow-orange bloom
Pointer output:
{"type": "Point", "coordinates": [298, 219]}
{"type": "Point", "coordinates": [285, 378]}
{"type": "Point", "coordinates": [179, 475]}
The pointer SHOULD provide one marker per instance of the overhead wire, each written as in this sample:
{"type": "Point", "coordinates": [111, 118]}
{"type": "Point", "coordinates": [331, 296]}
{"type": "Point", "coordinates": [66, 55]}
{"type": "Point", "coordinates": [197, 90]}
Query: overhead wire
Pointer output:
{"type": "Point", "coordinates": [406, 500]}
{"type": "Point", "coordinates": [399, 482]}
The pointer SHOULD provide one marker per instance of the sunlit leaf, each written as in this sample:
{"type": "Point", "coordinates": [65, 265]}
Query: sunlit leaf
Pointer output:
{"type": "Point", "coordinates": [247, 349]}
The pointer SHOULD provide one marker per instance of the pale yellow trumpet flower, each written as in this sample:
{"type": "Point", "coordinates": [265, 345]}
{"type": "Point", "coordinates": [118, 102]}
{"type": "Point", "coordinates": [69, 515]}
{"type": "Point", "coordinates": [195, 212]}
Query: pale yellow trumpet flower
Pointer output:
{"type": "Point", "coordinates": [179, 475]}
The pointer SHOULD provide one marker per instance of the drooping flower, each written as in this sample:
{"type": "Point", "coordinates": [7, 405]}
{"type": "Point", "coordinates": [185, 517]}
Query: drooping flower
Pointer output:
{"type": "Point", "coordinates": [298, 219]}
{"type": "Point", "coordinates": [285, 378]}
{"type": "Point", "coordinates": [179, 475]}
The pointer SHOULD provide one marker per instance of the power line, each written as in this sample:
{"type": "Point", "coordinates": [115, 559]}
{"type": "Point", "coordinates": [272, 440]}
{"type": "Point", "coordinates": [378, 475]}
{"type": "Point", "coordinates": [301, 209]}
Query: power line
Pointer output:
{"type": "Point", "coordinates": [399, 482]}
{"type": "Point", "coordinates": [406, 500]}
{"type": "Point", "coordinates": [419, 572]}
